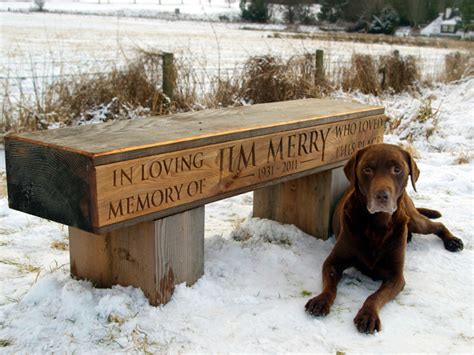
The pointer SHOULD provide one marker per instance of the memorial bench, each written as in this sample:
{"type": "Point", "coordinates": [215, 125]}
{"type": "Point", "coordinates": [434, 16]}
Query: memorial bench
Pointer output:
{"type": "Point", "coordinates": [133, 192]}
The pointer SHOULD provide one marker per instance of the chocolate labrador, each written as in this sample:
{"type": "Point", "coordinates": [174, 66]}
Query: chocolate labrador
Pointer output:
{"type": "Point", "coordinates": [372, 224]}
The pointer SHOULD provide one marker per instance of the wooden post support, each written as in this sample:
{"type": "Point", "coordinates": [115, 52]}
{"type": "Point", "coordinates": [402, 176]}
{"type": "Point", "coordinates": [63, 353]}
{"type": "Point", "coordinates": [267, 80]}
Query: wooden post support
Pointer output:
{"type": "Point", "coordinates": [319, 64]}
{"type": "Point", "coordinates": [306, 202]}
{"type": "Point", "coordinates": [154, 255]}
{"type": "Point", "coordinates": [168, 75]}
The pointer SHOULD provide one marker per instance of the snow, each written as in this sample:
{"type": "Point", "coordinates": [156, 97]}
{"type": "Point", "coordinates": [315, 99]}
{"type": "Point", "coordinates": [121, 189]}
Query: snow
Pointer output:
{"type": "Point", "coordinates": [188, 9]}
{"type": "Point", "coordinates": [259, 273]}
{"type": "Point", "coordinates": [51, 44]}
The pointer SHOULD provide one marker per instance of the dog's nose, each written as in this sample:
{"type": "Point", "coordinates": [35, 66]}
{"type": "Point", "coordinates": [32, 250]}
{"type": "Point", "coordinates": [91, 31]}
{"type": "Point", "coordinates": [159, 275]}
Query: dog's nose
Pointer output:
{"type": "Point", "coordinates": [382, 196]}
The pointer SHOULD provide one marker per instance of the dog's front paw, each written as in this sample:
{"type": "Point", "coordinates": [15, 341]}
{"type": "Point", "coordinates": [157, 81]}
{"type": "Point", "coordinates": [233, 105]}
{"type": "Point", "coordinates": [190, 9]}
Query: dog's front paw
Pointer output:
{"type": "Point", "coordinates": [454, 244]}
{"type": "Point", "coordinates": [318, 306]}
{"type": "Point", "coordinates": [367, 321]}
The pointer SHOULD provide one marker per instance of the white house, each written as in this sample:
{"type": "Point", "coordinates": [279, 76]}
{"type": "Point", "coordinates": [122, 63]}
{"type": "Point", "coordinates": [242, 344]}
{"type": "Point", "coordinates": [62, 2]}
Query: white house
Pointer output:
{"type": "Point", "coordinates": [447, 24]}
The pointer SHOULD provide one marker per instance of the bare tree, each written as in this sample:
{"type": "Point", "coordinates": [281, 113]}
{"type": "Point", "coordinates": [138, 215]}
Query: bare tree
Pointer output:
{"type": "Point", "coordinates": [39, 4]}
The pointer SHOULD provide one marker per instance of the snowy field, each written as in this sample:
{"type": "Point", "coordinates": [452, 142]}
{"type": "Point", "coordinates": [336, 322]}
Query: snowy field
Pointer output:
{"type": "Point", "coordinates": [45, 45]}
{"type": "Point", "coordinates": [252, 296]}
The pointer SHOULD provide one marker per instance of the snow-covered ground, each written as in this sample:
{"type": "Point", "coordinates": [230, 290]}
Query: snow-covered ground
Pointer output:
{"type": "Point", "coordinates": [45, 44]}
{"type": "Point", "coordinates": [191, 9]}
{"type": "Point", "coordinates": [252, 296]}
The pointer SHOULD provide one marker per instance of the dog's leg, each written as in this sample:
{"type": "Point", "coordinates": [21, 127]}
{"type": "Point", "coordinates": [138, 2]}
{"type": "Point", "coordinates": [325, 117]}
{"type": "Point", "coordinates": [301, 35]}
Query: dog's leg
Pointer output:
{"type": "Point", "coordinates": [422, 225]}
{"type": "Point", "coordinates": [333, 268]}
{"type": "Point", "coordinates": [367, 320]}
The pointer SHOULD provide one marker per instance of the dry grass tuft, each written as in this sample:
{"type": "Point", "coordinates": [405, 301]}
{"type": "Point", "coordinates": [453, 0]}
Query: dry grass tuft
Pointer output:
{"type": "Point", "coordinates": [398, 74]}
{"type": "Point", "coordinates": [425, 112]}
{"type": "Point", "coordinates": [463, 158]}
{"type": "Point", "coordinates": [270, 79]}
{"type": "Point", "coordinates": [60, 245]}
{"type": "Point", "coordinates": [116, 92]}
{"type": "Point", "coordinates": [119, 93]}
{"type": "Point", "coordinates": [22, 267]}
{"type": "Point", "coordinates": [458, 66]}
{"type": "Point", "coordinates": [372, 75]}
{"type": "Point", "coordinates": [6, 342]}
{"type": "Point", "coordinates": [224, 93]}
{"type": "Point", "coordinates": [362, 75]}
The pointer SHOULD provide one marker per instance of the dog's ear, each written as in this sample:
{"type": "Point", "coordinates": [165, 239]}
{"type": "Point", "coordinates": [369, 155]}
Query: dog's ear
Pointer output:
{"type": "Point", "coordinates": [351, 165]}
{"type": "Point", "coordinates": [414, 171]}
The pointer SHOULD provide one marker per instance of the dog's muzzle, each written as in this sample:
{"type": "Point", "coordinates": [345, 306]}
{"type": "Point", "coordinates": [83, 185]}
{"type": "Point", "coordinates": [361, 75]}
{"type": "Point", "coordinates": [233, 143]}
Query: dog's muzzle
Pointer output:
{"type": "Point", "coordinates": [381, 201]}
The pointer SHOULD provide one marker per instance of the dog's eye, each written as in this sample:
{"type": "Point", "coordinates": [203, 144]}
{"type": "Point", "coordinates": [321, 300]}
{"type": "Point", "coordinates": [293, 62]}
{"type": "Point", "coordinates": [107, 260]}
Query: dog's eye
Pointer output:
{"type": "Point", "coordinates": [396, 170]}
{"type": "Point", "coordinates": [367, 170]}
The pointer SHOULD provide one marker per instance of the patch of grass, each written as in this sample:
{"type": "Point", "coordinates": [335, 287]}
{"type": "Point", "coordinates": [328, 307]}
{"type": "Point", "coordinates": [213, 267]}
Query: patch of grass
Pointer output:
{"type": "Point", "coordinates": [117, 93]}
{"type": "Point", "coordinates": [115, 318]}
{"type": "Point", "coordinates": [425, 112]}
{"type": "Point", "coordinates": [362, 75]}
{"type": "Point", "coordinates": [22, 267]}
{"type": "Point", "coordinates": [410, 148]}
{"type": "Point", "coordinates": [463, 158]}
{"type": "Point", "coordinates": [398, 73]}
{"type": "Point", "coordinates": [6, 342]}
{"type": "Point", "coordinates": [240, 235]}
{"type": "Point", "coordinates": [270, 79]}
{"type": "Point", "coordinates": [374, 38]}
{"type": "Point", "coordinates": [457, 66]}
{"type": "Point", "coordinates": [372, 75]}
{"type": "Point", "coordinates": [60, 245]}
{"type": "Point", "coordinates": [306, 293]}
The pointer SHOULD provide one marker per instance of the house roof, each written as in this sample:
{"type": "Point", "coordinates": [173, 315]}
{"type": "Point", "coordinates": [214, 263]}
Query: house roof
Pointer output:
{"type": "Point", "coordinates": [451, 21]}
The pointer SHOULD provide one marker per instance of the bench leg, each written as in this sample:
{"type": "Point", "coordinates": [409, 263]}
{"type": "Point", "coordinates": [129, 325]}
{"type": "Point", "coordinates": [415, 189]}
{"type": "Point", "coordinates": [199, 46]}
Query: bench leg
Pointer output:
{"type": "Point", "coordinates": [154, 256]}
{"type": "Point", "coordinates": [306, 202]}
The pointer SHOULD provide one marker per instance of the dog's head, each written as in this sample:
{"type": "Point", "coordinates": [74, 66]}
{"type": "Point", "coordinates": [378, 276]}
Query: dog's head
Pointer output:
{"type": "Point", "coordinates": [380, 172]}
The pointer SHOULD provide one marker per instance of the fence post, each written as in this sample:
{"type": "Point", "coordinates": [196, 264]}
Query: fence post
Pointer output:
{"type": "Point", "coordinates": [168, 75]}
{"type": "Point", "coordinates": [319, 64]}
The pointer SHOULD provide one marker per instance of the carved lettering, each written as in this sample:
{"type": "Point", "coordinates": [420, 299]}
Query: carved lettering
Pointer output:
{"type": "Point", "coordinates": [140, 186]}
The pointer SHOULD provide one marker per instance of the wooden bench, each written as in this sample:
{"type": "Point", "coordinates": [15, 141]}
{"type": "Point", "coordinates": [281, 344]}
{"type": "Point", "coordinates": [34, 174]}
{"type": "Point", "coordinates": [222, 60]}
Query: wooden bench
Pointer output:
{"type": "Point", "coordinates": [133, 192]}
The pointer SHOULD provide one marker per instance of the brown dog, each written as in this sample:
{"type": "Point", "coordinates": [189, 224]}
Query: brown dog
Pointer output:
{"type": "Point", "coordinates": [372, 223]}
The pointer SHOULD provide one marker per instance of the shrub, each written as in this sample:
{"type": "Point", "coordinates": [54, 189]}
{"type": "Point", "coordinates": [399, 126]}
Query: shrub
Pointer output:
{"type": "Point", "coordinates": [457, 66]}
{"type": "Point", "coordinates": [331, 10]}
{"type": "Point", "coordinates": [362, 75]}
{"type": "Point", "coordinates": [254, 11]}
{"type": "Point", "coordinates": [398, 73]}
{"type": "Point", "coordinates": [269, 79]}
{"type": "Point", "coordinates": [299, 13]}
{"type": "Point", "coordinates": [386, 23]}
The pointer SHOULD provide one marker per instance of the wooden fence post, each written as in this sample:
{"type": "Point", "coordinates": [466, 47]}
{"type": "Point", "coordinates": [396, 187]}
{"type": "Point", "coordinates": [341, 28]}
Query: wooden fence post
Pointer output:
{"type": "Point", "coordinates": [168, 75]}
{"type": "Point", "coordinates": [319, 64]}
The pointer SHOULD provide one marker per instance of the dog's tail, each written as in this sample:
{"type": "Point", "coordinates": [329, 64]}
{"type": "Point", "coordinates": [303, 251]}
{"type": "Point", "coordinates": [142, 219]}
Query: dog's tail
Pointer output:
{"type": "Point", "coordinates": [432, 214]}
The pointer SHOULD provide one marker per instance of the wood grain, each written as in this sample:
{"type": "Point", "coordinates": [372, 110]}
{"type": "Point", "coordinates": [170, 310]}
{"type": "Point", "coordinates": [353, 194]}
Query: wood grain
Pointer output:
{"type": "Point", "coordinates": [304, 202]}
{"type": "Point", "coordinates": [129, 139]}
{"type": "Point", "coordinates": [307, 202]}
{"type": "Point", "coordinates": [90, 257]}
{"type": "Point", "coordinates": [154, 255]}
{"type": "Point", "coordinates": [137, 187]}
{"type": "Point", "coordinates": [49, 183]}
{"type": "Point", "coordinates": [68, 175]}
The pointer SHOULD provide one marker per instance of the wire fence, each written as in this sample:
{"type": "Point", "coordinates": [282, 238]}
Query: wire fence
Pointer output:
{"type": "Point", "coordinates": [22, 76]}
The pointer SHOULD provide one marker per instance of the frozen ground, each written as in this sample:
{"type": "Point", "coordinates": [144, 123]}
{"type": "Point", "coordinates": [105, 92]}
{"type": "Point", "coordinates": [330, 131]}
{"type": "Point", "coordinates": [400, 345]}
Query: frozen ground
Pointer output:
{"type": "Point", "coordinates": [252, 296]}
